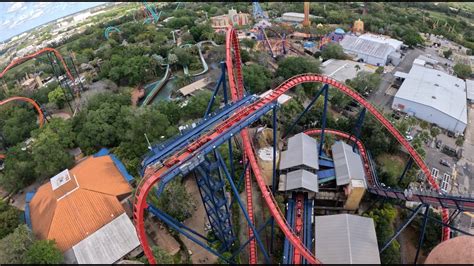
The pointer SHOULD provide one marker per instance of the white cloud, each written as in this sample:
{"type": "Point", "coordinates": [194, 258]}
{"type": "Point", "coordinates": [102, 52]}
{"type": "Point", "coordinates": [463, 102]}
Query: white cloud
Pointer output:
{"type": "Point", "coordinates": [15, 7]}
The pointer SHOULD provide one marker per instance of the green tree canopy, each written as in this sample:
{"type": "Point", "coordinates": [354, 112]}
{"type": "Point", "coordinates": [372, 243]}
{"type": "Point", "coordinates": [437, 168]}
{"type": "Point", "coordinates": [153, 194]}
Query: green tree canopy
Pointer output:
{"type": "Point", "coordinates": [14, 246]}
{"type": "Point", "coordinates": [291, 66]}
{"type": "Point", "coordinates": [9, 219]}
{"type": "Point", "coordinates": [43, 252]}
{"type": "Point", "coordinates": [16, 124]}
{"type": "Point", "coordinates": [257, 78]}
{"type": "Point", "coordinates": [333, 50]}
{"type": "Point", "coordinates": [462, 71]}
{"type": "Point", "coordinates": [57, 97]}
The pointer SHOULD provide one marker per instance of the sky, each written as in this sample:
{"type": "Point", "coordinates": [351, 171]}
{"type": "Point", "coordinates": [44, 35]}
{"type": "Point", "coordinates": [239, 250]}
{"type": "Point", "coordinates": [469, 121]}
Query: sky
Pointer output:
{"type": "Point", "coordinates": [17, 17]}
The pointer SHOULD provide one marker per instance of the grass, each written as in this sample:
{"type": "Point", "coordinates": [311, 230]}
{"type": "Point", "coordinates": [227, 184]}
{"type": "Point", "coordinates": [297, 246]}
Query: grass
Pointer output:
{"type": "Point", "coordinates": [392, 164]}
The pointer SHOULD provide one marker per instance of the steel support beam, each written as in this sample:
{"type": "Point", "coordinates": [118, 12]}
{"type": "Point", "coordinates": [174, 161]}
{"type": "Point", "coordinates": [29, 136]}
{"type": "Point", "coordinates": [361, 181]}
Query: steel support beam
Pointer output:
{"type": "Point", "coordinates": [422, 233]}
{"type": "Point", "coordinates": [323, 124]}
{"type": "Point", "coordinates": [401, 228]}
{"type": "Point", "coordinates": [407, 167]}
{"type": "Point", "coordinates": [216, 90]}
{"type": "Point", "coordinates": [274, 171]}
{"type": "Point", "coordinates": [237, 196]}
{"type": "Point", "coordinates": [157, 213]}
{"type": "Point", "coordinates": [250, 239]}
{"type": "Point", "coordinates": [358, 127]}
{"type": "Point", "coordinates": [290, 128]}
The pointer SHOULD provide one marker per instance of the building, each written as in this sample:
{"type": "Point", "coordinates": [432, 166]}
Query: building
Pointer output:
{"type": "Point", "coordinates": [337, 35]}
{"type": "Point", "coordinates": [433, 96]}
{"type": "Point", "coordinates": [470, 90]}
{"type": "Point", "coordinates": [232, 18]}
{"type": "Point", "coordinates": [294, 17]}
{"type": "Point", "coordinates": [83, 209]}
{"type": "Point", "coordinates": [374, 52]}
{"type": "Point", "coordinates": [358, 26]}
{"type": "Point", "coordinates": [341, 70]}
{"type": "Point", "coordinates": [396, 44]}
{"type": "Point", "coordinates": [195, 86]}
{"type": "Point", "coordinates": [466, 222]}
{"type": "Point", "coordinates": [346, 239]}
{"type": "Point", "coordinates": [349, 173]}
{"type": "Point", "coordinates": [298, 165]}
{"type": "Point", "coordinates": [302, 153]}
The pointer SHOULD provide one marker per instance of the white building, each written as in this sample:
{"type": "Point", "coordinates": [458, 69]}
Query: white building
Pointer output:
{"type": "Point", "coordinates": [346, 239]}
{"type": "Point", "coordinates": [433, 96]}
{"type": "Point", "coordinates": [294, 17]}
{"type": "Point", "coordinates": [370, 50]}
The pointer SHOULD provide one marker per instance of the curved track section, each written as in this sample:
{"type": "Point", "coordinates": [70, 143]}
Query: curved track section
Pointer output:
{"type": "Point", "coordinates": [238, 122]}
{"type": "Point", "coordinates": [28, 100]}
{"type": "Point", "coordinates": [236, 84]}
{"type": "Point", "coordinates": [109, 30]}
{"type": "Point", "coordinates": [35, 54]}
{"type": "Point", "coordinates": [237, 91]}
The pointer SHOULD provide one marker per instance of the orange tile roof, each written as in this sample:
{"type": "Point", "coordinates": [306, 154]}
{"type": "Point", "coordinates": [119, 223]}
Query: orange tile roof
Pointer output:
{"type": "Point", "coordinates": [86, 209]}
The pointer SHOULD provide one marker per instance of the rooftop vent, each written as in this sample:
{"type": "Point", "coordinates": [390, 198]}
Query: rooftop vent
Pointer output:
{"type": "Point", "coordinates": [434, 97]}
{"type": "Point", "coordinates": [457, 85]}
{"type": "Point", "coordinates": [436, 84]}
{"type": "Point", "coordinates": [439, 75]}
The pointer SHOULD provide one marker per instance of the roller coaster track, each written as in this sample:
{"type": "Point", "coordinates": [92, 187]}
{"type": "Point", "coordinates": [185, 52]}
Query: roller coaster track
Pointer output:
{"type": "Point", "coordinates": [375, 187]}
{"type": "Point", "coordinates": [35, 54]}
{"type": "Point", "coordinates": [28, 100]}
{"type": "Point", "coordinates": [183, 160]}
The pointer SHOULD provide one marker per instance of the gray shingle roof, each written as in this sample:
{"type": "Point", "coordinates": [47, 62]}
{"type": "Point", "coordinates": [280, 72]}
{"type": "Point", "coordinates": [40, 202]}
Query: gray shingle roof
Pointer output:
{"type": "Point", "coordinates": [348, 165]}
{"type": "Point", "coordinates": [354, 44]}
{"type": "Point", "coordinates": [302, 179]}
{"type": "Point", "coordinates": [302, 150]}
{"type": "Point", "coordinates": [346, 239]}
{"type": "Point", "coordinates": [108, 244]}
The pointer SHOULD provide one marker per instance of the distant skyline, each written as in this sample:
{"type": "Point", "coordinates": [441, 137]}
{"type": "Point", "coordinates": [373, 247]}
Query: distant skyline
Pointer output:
{"type": "Point", "coordinates": [18, 17]}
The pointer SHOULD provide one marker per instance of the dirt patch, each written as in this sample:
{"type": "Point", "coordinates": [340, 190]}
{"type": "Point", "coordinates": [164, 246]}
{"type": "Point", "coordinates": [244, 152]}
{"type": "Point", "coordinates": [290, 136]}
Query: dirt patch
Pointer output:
{"type": "Point", "coordinates": [197, 222]}
{"type": "Point", "coordinates": [137, 94]}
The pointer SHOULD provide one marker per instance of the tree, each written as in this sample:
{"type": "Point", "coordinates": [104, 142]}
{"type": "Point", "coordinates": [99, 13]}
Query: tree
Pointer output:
{"type": "Point", "coordinates": [43, 252]}
{"type": "Point", "coordinates": [16, 124]}
{"type": "Point", "coordinates": [184, 57]}
{"type": "Point", "coordinates": [249, 43]}
{"type": "Point", "coordinates": [447, 53]}
{"type": "Point", "coordinates": [412, 38]}
{"type": "Point", "coordinates": [175, 200]}
{"type": "Point", "coordinates": [197, 105]}
{"type": "Point", "coordinates": [257, 78]}
{"type": "Point", "coordinates": [463, 71]}
{"type": "Point", "coordinates": [291, 66]}
{"type": "Point", "coordinates": [19, 169]}
{"type": "Point", "coordinates": [333, 50]}
{"type": "Point", "coordinates": [172, 59]}
{"type": "Point", "coordinates": [9, 219]}
{"type": "Point", "coordinates": [49, 152]}
{"type": "Point", "coordinates": [365, 82]}
{"type": "Point", "coordinates": [14, 246]}
{"type": "Point", "coordinates": [57, 97]}
{"type": "Point", "coordinates": [161, 256]}
{"type": "Point", "coordinates": [202, 32]}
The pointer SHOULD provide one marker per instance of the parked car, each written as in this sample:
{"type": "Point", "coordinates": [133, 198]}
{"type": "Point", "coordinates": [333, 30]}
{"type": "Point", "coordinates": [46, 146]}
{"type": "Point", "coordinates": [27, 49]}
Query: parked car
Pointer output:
{"type": "Point", "coordinates": [409, 137]}
{"type": "Point", "coordinates": [444, 162]}
{"type": "Point", "coordinates": [438, 144]}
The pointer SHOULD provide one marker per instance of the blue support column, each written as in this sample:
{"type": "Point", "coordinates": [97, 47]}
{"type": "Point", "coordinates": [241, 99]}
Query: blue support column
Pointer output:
{"type": "Point", "coordinates": [323, 125]}
{"type": "Point", "coordinates": [274, 171]}
{"type": "Point", "coordinates": [159, 215]}
{"type": "Point", "coordinates": [237, 196]}
{"type": "Point", "coordinates": [358, 127]}
{"type": "Point", "coordinates": [241, 179]}
{"type": "Point", "coordinates": [308, 228]}
{"type": "Point", "coordinates": [212, 189]}
{"type": "Point", "coordinates": [402, 227]}
{"type": "Point", "coordinates": [250, 239]}
{"type": "Point", "coordinates": [222, 82]}
{"type": "Point", "coordinates": [286, 244]}
{"type": "Point", "coordinates": [290, 128]}
{"type": "Point", "coordinates": [407, 167]}
{"type": "Point", "coordinates": [422, 233]}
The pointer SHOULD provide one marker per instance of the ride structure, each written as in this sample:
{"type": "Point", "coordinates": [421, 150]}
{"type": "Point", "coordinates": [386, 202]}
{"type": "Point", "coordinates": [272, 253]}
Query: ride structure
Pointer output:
{"type": "Point", "coordinates": [109, 30]}
{"type": "Point", "coordinates": [195, 152]}
{"type": "Point", "coordinates": [258, 13]}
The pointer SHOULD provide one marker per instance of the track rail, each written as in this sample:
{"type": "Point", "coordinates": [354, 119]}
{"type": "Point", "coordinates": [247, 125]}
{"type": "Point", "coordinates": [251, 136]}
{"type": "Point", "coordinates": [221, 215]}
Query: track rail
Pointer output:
{"type": "Point", "coordinates": [248, 113]}
{"type": "Point", "coordinates": [35, 54]}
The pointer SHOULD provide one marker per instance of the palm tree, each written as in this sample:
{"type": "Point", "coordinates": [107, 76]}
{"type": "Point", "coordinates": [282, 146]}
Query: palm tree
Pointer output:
{"type": "Point", "coordinates": [357, 67]}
